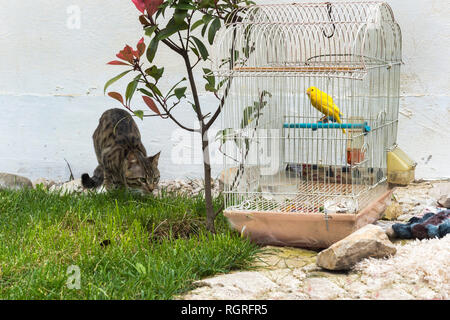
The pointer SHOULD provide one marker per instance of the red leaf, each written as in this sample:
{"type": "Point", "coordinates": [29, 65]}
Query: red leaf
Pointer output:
{"type": "Point", "coordinates": [116, 95]}
{"type": "Point", "coordinates": [151, 104]}
{"type": "Point", "coordinates": [140, 5]}
{"type": "Point", "coordinates": [152, 6]}
{"type": "Point", "coordinates": [117, 63]}
{"type": "Point", "coordinates": [126, 54]}
{"type": "Point", "coordinates": [141, 47]}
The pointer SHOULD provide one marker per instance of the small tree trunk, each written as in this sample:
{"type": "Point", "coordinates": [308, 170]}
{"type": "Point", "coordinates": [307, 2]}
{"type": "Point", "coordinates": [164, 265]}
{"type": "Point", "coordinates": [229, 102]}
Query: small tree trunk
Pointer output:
{"type": "Point", "coordinates": [210, 214]}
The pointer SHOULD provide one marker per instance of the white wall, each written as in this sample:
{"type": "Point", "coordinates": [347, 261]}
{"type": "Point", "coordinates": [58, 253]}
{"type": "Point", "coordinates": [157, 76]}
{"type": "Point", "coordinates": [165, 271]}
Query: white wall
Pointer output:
{"type": "Point", "coordinates": [52, 75]}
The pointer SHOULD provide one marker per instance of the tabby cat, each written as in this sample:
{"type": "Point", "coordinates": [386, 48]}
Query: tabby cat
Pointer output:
{"type": "Point", "coordinates": [122, 158]}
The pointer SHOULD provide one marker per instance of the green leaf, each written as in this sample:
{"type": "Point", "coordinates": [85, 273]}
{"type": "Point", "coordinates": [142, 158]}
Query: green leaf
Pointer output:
{"type": "Point", "coordinates": [149, 31]}
{"type": "Point", "coordinates": [215, 26]}
{"type": "Point", "coordinates": [179, 16]}
{"type": "Point", "coordinates": [201, 47]}
{"type": "Point", "coordinates": [222, 134]}
{"type": "Point", "coordinates": [154, 72]}
{"type": "Point", "coordinates": [110, 82]}
{"type": "Point", "coordinates": [180, 92]}
{"type": "Point", "coordinates": [206, 19]}
{"type": "Point", "coordinates": [174, 86]}
{"type": "Point", "coordinates": [205, 4]}
{"type": "Point", "coordinates": [146, 92]}
{"type": "Point", "coordinates": [152, 48]}
{"type": "Point", "coordinates": [141, 269]}
{"type": "Point", "coordinates": [139, 114]}
{"type": "Point", "coordinates": [171, 28]}
{"type": "Point", "coordinates": [209, 87]}
{"type": "Point", "coordinates": [195, 51]}
{"type": "Point", "coordinates": [154, 88]}
{"type": "Point", "coordinates": [247, 117]}
{"type": "Point", "coordinates": [131, 88]}
{"type": "Point", "coordinates": [184, 6]}
{"type": "Point", "coordinates": [208, 76]}
{"type": "Point", "coordinates": [196, 24]}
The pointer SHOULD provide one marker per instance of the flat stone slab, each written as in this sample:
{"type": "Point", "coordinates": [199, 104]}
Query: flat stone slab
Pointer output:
{"type": "Point", "coordinates": [419, 270]}
{"type": "Point", "coordinates": [285, 257]}
{"type": "Point", "coordinates": [14, 182]}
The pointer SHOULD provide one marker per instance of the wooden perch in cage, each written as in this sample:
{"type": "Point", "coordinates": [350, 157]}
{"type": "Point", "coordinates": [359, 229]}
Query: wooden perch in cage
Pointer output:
{"type": "Point", "coordinates": [299, 69]}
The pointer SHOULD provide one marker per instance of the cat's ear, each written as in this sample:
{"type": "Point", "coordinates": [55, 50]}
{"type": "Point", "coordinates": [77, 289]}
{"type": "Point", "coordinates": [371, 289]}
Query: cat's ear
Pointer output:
{"type": "Point", "coordinates": [154, 159]}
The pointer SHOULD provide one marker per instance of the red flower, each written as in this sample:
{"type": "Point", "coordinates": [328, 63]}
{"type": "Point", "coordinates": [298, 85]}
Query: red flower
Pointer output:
{"type": "Point", "coordinates": [129, 55]}
{"type": "Point", "coordinates": [150, 5]}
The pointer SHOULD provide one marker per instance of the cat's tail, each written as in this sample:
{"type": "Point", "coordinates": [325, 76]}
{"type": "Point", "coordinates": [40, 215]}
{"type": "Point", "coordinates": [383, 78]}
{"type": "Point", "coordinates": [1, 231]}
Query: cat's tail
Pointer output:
{"type": "Point", "coordinates": [95, 181]}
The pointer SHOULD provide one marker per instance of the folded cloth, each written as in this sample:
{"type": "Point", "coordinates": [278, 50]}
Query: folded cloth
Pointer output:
{"type": "Point", "coordinates": [431, 225]}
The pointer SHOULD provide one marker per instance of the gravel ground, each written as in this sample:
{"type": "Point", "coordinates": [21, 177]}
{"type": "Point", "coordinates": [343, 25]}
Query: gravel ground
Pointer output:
{"type": "Point", "coordinates": [190, 187]}
{"type": "Point", "coordinates": [419, 270]}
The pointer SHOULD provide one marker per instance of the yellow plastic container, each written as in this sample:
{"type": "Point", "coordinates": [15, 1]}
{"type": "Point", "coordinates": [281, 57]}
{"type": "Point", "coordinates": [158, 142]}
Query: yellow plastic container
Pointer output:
{"type": "Point", "coordinates": [400, 167]}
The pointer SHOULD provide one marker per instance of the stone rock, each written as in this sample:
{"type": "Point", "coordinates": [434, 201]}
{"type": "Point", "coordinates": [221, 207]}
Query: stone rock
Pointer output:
{"type": "Point", "coordinates": [323, 289]}
{"type": "Point", "coordinates": [387, 227]}
{"type": "Point", "coordinates": [369, 241]}
{"type": "Point", "coordinates": [15, 182]}
{"type": "Point", "coordinates": [393, 294]}
{"type": "Point", "coordinates": [393, 211]}
{"type": "Point", "coordinates": [285, 257]}
{"type": "Point", "coordinates": [240, 285]}
{"type": "Point", "coordinates": [441, 191]}
{"type": "Point", "coordinates": [444, 201]}
{"type": "Point", "coordinates": [190, 187]}
{"type": "Point", "coordinates": [45, 182]}
{"type": "Point", "coordinates": [405, 217]}
{"type": "Point", "coordinates": [68, 187]}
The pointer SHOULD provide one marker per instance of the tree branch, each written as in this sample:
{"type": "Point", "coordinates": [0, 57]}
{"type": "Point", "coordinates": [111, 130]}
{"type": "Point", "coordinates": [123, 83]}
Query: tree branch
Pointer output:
{"type": "Point", "coordinates": [163, 104]}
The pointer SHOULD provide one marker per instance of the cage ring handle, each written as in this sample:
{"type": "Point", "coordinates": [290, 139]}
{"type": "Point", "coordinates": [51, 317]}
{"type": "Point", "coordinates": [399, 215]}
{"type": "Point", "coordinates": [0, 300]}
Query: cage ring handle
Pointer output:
{"type": "Point", "coordinates": [330, 8]}
{"type": "Point", "coordinates": [364, 148]}
{"type": "Point", "coordinates": [381, 116]}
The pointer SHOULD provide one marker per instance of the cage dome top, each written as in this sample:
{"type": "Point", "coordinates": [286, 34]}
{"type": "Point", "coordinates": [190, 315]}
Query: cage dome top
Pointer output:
{"type": "Point", "coordinates": [341, 39]}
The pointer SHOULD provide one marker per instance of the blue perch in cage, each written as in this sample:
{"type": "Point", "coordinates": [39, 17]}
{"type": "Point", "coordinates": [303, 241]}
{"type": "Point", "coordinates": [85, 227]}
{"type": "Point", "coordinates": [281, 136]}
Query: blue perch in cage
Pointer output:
{"type": "Point", "coordinates": [329, 125]}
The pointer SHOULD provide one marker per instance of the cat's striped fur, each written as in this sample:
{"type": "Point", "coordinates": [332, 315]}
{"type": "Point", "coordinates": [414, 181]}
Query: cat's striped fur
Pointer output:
{"type": "Point", "coordinates": [122, 158]}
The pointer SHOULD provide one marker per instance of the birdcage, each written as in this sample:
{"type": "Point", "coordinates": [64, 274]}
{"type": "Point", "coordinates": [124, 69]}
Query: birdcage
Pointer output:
{"type": "Point", "coordinates": [291, 174]}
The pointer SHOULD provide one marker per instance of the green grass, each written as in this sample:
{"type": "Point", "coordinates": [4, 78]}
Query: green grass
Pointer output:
{"type": "Point", "coordinates": [155, 247]}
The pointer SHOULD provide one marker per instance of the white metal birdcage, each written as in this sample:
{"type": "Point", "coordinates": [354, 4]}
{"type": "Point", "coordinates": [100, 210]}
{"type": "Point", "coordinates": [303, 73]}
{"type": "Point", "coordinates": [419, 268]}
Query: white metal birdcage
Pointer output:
{"type": "Point", "coordinates": [281, 154]}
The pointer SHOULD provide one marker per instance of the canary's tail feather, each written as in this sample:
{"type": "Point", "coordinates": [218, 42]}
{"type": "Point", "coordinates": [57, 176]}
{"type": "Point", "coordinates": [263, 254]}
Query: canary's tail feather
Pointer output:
{"type": "Point", "coordinates": [338, 120]}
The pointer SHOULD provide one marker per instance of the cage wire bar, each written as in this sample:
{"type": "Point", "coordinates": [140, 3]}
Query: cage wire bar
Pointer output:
{"type": "Point", "coordinates": [280, 154]}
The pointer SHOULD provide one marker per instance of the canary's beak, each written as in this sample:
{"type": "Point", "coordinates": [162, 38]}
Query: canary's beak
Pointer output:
{"type": "Point", "coordinates": [308, 92]}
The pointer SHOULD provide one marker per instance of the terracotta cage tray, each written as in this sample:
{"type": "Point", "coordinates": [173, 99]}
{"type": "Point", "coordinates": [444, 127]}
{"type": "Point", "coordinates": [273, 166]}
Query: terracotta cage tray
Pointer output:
{"type": "Point", "coordinates": [307, 230]}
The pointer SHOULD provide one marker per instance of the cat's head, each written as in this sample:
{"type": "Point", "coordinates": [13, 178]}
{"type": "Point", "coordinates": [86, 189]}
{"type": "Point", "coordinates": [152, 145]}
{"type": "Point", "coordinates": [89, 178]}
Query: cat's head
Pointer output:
{"type": "Point", "coordinates": [141, 173]}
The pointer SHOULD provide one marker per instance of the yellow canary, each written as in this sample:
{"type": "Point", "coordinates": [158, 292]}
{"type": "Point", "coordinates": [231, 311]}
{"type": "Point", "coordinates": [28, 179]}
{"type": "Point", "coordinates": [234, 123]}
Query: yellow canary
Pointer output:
{"type": "Point", "coordinates": [324, 103]}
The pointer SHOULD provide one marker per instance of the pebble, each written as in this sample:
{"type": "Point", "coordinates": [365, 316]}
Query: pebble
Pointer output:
{"type": "Point", "coordinates": [190, 187]}
{"type": "Point", "coordinates": [44, 182]}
